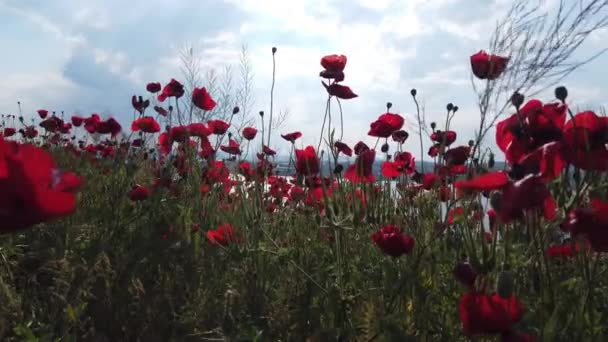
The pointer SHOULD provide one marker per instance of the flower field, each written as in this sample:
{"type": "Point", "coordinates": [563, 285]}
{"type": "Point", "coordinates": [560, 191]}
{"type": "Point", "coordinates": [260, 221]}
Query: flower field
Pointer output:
{"type": "Point", "coordinates": [173, 230]}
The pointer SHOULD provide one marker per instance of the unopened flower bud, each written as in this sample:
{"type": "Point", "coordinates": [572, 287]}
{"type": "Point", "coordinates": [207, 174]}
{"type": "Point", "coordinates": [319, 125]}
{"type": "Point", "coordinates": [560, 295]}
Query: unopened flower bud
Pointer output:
{"type": "Point", "coordinates": [491, 161]}
{"type": "Point", "coordinates": [517, 99]}
{"type": "Point", "coordinates": [449, 107]}
{"type": "Point", "coordinates": [384, 148]}
{"type": "Point", "coordinates": [235, 110]}
{"type": "Point", "coordinates": [433, 125]}
{"type": "Point", "coordinates": [388, 106]}
{"type": "Point", "coordinates": [413, 92]}
{"type": "Point", "coordinates": [455, 109]}
{"type": "Point", "coordinates": [561, 93]}
{"type": "Point", "coordinates": [338, 168]}
{"type": "Point", "coordinates": [471, 143]}
{"type": "Point", "coordinates": [262, 113]}
{"type": "Point", "coordinates": [274, 50]}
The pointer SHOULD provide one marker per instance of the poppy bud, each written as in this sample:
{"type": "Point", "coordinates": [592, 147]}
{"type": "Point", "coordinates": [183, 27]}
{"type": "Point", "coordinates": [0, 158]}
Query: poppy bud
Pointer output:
{"type": "Point", "coordinates": [517, 99]}
{"type": "Point", "coordinates": [21, 118]}
{"type": "Point", "coordinates": [384, 148]}
{"type": "Point", "coordinates": [449, 107]}
{"type": "Point", "coordinates": [561, 93]}
{"type": "Point", "coordinates": [235, 110]}
{"type": "Point", "coordinates": [471, 143]}
{"type": "Point", "coordinates": [413, 92]}
{"type": "Point", "coordinates": [388, 105]}
{"type": "Point", "coordinates": [491, 161]}
{"type": "Point", "coordinates": [455, 109]}
{"type": "Point", "coordinates": [229, 135]}
{"type": "Point", "coordinates": [505, 284]}
{"type": "Point", "coordinates": [338, 168]}
{"type": "Point", "coordinates": [433, 125]}
{"type": "Point", "coordinates": [262, 113]}
{"type": "Point", "coordinates": [170, 108]}
{"type": "Point", "coordinates": [274, 50]}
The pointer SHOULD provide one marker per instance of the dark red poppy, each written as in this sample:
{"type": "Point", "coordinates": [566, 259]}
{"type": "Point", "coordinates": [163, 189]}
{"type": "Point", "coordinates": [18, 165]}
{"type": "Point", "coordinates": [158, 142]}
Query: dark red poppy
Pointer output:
{"type": "Point", "coordinates": [590, 222]}
{"type": "Point", "coordinates": [202, 99]}
{"type": "Point", "coordinates": [446, 138]}
{"type": "Point", "coordinates": [146, 124]}
{"type": "Point", "coordinates": [486, 66]}
{"type": "Point", "coordinates": [52, 124]}
{"type": "Point", "coordinates": [77, 121]}
{"type": "Point", "coordinates": [9, 132]}
{"type": "Point", "coordinates": [434, 150]}
{"type": "Point", "coordinates": [139, 104]}
{"type": "Point", "coordinates": [90, 123]}
{"type": "Point", "coordinates": [268, 151]}
{"type": "Point", "coordinates": [564, 250]}
{"type": "Point", "coordinates": [526, 194]}
{"type": "Point", "coordinates": [546, 160]}
{"type": "Point", "coordinates": [465, 274]}
{"type": "Point", "coordinates": [291, 137]}
{"type": "Point", "coordinates": [457, 155]}
{"type": "Point", "coordinates": [29, 132]}
{"type": "Point", "coordinates": [109, 126]}
{"type": "Point", "coordinates": [339, 91]}
{"type": "Point", "coordinates": [172, 89]}
{"type": "Point", "coordinates": [385, 125]}
{"type": "Point", "coordinates": [362, 169]}
{"type": "Point", "coordinates": [222, 235]}
{"type": "Point", "coordinates": [392, 241]}
{"type": "Point", "coordinates": [307, 162]}
{"type": "Point", "coordinates": [400, 136]}
{"type": "Point", "coordinates": [585, 138]}
{"type": "Point", "coordinates": [488, 314]}
{"type": "Point", "coordinates": [404, 163]}
{"type": "Point", "coordinates": [198, 129]}
{"type": "Point", "coordinates": [43, 113]}
{"type": "Point", "coordinates": [233, 147]}
{"type": "Point", "coordinates": [360, 147]}
{"type": "Point", "coordinates": [343, 148]}
{"type": "Point", "coordinates": [334, 62]}
{"type": "Point", "coordinates": [206, 148]}
{"type": "Point", "coordinates": [153, 87]}
{"type": "Point", "coordinates": [249, 133]}
{"type": "Point", "coordinates": [485, 182]}
{"type": "Point", "coordinates": [33, 190]}
{"type": "Point", "coordinates": [160, 110]}
{"type": "Point", "coordinates": [429, 180]}
{"type": "Point", "coordinates": [533, 126]}
{"type": "Point", "coordinates": [218, 127]}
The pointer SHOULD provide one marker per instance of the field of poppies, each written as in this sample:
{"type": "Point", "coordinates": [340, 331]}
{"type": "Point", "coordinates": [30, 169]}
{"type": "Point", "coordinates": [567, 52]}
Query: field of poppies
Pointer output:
{"type": "Point", "coordinates": [175, 229]}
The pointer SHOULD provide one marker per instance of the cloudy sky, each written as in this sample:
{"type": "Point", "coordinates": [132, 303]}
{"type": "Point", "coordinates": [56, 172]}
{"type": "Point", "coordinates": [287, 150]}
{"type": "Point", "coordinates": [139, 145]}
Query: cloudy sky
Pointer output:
{"type": "Point", "coordinates": [91, 56]}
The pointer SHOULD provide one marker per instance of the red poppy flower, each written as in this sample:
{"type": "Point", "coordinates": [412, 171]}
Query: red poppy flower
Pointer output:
{"type": "Point", "coordinates": [77, 121]}
{"type": "Point", "coordinates": [339, 91]}
{"type": "Point", "coordinates": [488, 314]}
{"type": "Point", "coordinates": [455, 214]}
{"type": "Point", "coordinates": [139, 104]}
{"type": "Point", "coordinates": [485, 182]}
{"type": "Point", "coordinates": [172, 89]}
{"type": "Point", "coordinates": [268, 151]}
{"type": "Point", "coordinates": [343, 148]}
{"type": "Point", "coordinates": [334, 62]}
{"type": "Point", "coordinates": [43, 113]}
{"type": "Point", "coordinates": [404, 163]}
{"type": "Point", "coordinates": [90, 123]}
{"type": "Point", "coordinates": [362, 170]}
{"type": "Point", "coordinates": [546, 160]}
{"type": "Point", "coordinates": [51, 124]}
{"type": "Point", "coordinates": [360, 147]}
{"type": "Point", "coordinates": [526, 194]}
{"type": "Point", "coordinates": [153, 87]}
{"type": "Point", "coordinates": [392, 241]}
{"type": "Point", "coordinates": [486, 66]}
{"type": "Point", "coordinates": [434, 150]}
{"type": "Point", "coordinates": [232, 148]}
{"type": "Point", "coordinates": [385, 125]}
{"type": "Point", "coordinates": [200, 130]}
{"type": "Point", "coordinates": [249, 133]}
{"type": "Point", "coordinates": [564, 250]}
{"type": "Point", "coordinates": [585, 139]}
{"type": "Point", "coordinates": [109, 126]}
{"type": "Point", "coordinates": [291, 137]}
{"type": "Point", "coordinates": [222, 235]}
{"type": "Point", "coordinates": [429, 180]}
{"type": "Point", "coordinates": [218, 127]}
{"type": "Point", "coordinates": [202, 99]}
{"type": "Point", "coordinates": [457, 155]}
{"type": "Point", "coordinates": [33, 190]}
{"type": "Point", "coordinates": [591, 222]}
{"type": "Point", "coordinates": [145, 124]}
{"type": "Point", "coordinates": [307, 162]}
{"type": "Point", "coordinates": [206, 148]}
{"type": "Point", "coordinates": [9, 132]}
{"type": "Point", "coordinates": [400, 136]}
{"type": "Point", "coordinates": [446, 138]}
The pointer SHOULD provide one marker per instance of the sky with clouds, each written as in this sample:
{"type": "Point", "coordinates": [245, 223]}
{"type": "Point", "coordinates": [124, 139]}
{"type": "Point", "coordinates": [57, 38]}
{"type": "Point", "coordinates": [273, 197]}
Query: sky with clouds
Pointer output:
{"type": "Point", "coordinates": [91, 55]}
